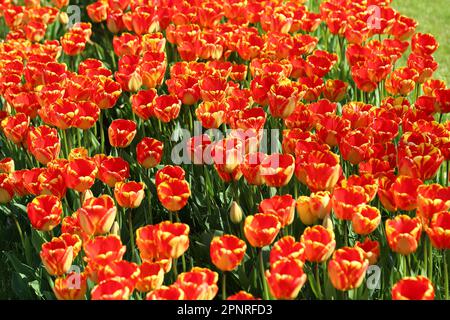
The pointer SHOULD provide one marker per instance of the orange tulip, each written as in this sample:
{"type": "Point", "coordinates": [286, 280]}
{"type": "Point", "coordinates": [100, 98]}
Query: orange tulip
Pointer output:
{"type": "Point", "coordinates": [151, 277]}
{"type": "Point", "coordinates": [15, 127]}
{"type": "Point", "coordinates": [346, 200]}
{"type": "Point", "coordinates": [121, 132]}
{"type": "Point", "coordinates": [111, 289]}
{"type": "Point", "coordinates": [227, 252]}
{"type": "Point", "coordinates": [129, 194]}
{"type": "Point", "coordinates": [370, 249]}
{"type": "Point", "coordinates": [347, 268]}
{"type": "Point", "coordinates": [413, 288]}
{"type": "Point", "coordinates": [149, 152]}
{"type": "Point", "coordinates": [281, 206]}
{"type": "Point", "coordinates": [198, 284]}
{"type": "Point", "coordinates": [439, 230]}
{"type": "Point", "coordinates": [80, 174]}
{"type": "Point", "coordinates": [123, 271]}
{"type": "Point", "coordinates": [6, 188]}
{"type": "Point", "coordinates": [71, 287]}
{"type": "Point", "coordinates": [103, 250]}
{"type": "Point", "coordinates": [251, 168]}
{"type": "Point", "coordinates": [172, 292]}
{"type": "Point", "coordinates": [403, 234]}
{"type": "Point", "coordinates": [45, 212]}
{"type": "Point", "coordinates": [242, 295]}
{"type": "Point", "coordinates": [43, 143]}
{"type": "Point", "coordinates": [97, 215]}
{"type": "Point", "coordinates": [169, 173]}
{"type": "Point", "coordinates": [147, 242]}
{"type": "Point", "coordinates": [285, 279]}
{"type": "Point", "coordinates": [112, 170]}
{"type": "Point", "coordinates": [261, 229]}
{"type": "Point", "coordinates": [172, 238]}
{"type": "Point", "coordinates": [432, 198]}
{"type": "Point", "coordinates": [7, 165]}
{"type": "Point", "coordinates": [366, 219]}
{"type": "Point", "coordinates": [405, 192]}
{"type": "Point", "coordinates": [56, 256]}
{"type": "Point", "coordinates": [287, 248]}
{"type": "Point", "coordinates": [319, 243]}
{"type": "Point", "coordinates": [174, 194]}
{"type": "Point", "coordinates": [277, 169]}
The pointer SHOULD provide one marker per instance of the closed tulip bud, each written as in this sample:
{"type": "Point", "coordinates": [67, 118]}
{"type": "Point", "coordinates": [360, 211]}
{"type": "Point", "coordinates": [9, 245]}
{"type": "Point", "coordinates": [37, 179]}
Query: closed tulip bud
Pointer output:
{"type": "Point", "coordinates": [63, 17]}
{"type": "Point", "coordinates": [236, 213]}
{"type": "Point", "coordinates": [135, 82]}
{"type": "Point", "coordinates": [413, 288]}
{"type": "Point", "coordinates": [115, 229]}
{"type": "Point", "coordinates": [327, 223]}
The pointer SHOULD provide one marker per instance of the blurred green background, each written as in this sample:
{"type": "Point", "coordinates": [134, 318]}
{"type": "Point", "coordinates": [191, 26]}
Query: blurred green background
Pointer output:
{"type": "Point", "coordinates": [432, 17]}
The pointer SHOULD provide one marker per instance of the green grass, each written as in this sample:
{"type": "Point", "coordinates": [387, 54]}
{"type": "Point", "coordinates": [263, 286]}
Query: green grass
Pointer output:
{"type": "Point", "coordinates": [432, 17]}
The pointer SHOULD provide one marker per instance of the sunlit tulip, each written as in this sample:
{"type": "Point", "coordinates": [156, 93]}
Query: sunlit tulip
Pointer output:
{"type": "Point", "coordinates": [403, 234]}
{"type": "Point", "coordinates": [319, 243]}
{"type": "Point", "coordinates": [261, 229]}
{"type": "Point", "coordinates": [111, 289]}
{"type": "Point", "coordinates": [149, 152]}
{"type": "Point", "coordinates": [347, 268]}
{"type": "Point", "coordinates": [172, 292]}
{"type": "Point", "coordinates": [227, 252]}
{"type": "Point", "coordinates": [15, 127]}
{"type": "Point", "coordinates": [413, 288]}
{"type": "Point", "coordinates": [172, 239]}
{"type": "Point", "coordinates": [56, 256]}
{"type": "Point", "coordinates": [103, 250]}
{"type": "Point", "coordinates": [124, 271]}
{"type": "Point", "coordinates": [129, 194]}
{"type": "Point", "coordinates": [281, 206]}
{"type": "Point", "coordinates": [6, 188]}
{"type": "Point", "coordinates": [43, 143]}
{"type": "Point", "coordinates": [121, 132]}
{"type": "Point", "coordinates": [151, 277]}
{"type": "Point", "coordinates": [112, 170]}
{"type": "Point", "coordinates": [198, 284]}
{"type": "Point", "coordinates": [174, 194]}
{"type": "Point", "coordinates": [45, 212]}
{"type": "Point", "coordinates": [366, 219]}
{"type": "Point", "coordinates": [169, 173]}
{"type": "Point", "coordinates": [242, 295]}
{"type": "Point", "coordinates": [80, 174]}
{"type": "Point", "coordinates": [277, 169]}
{"type": "Point", "coordinates": [439, 230]}
{"type": "Point", "coordinates": [71, 286]}
{"type": "Point", "coordinates": [287, 248]}
{"type": "Point", "coordinates": [346, 200]}
{"type": "Point", "coordinates": [370, 249]}
{"type": "Point", "coordinates": [96, 216]}
{"type": "Point", "coordinates": [285, 279]}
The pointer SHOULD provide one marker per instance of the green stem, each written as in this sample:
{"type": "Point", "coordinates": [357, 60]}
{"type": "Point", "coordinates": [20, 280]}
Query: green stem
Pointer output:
{"type": "Point", "coordinates": [319, 288]}
{"type": "Point", "coordinates": [130, 226]}
{"type": "Point", "coordinates": [446, 275]}
{"type": "Point", "coordinates": [224, 286]}
{"type": "Point", "coordinates": [263, 276]}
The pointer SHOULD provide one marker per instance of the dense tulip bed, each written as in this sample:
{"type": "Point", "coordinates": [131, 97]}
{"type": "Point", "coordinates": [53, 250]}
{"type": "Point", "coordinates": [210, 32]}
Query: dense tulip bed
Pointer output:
{"type": "Point", "coordinates": [236, 149]}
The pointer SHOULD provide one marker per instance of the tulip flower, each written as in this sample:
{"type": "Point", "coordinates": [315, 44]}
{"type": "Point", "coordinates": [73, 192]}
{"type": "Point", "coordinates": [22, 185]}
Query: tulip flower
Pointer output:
{"type": "Point", "coordinates": [347, 268]}
{"type": "Point", "coordinates": [403, 234]}
{"type": "Point", "coordinates": [96, 216]}
{"type": "Point", "coordinates": [129, 194]}
{"type": "Point", "coordinates": [281, 206]}
{"type": "Point", "coordinates": [6, 188]}
{"type": "Point", "coordinates": [242, 295]}
{"type": "Point", "coordinates": [151, 277]}
{"type": "Point", "coordinates": [413, 288]}
{"type": "Point", "coordinates": [370, 249]}
{"type": "Point", "coordinates": [103, 250]}
{"type": "Point", "coordinates": [71, 286]}
{"type": "Point", "coordinates": [261, 229]}
{"type": "Point", "coordinates": [174, 194]}
{"type": "Point", "coordinates": [124, 271]}
{"type": "Point", "coordinates": [45, 212]}
{"type": "Point", "coordinates": [56, 256]}
{"type": "Point", "coordinates": [277, 169]}
{"type": "Point", "coordinates": [285, 279]}
{"type": "Point", "coordinates": [169, 173]}
{"type": "Point", "coordinates": [287, 248]}
{"type": "Point", "coordinates": [366, 219]}
{"type": "Point", "coordinates": [346, 201]}
{"type": "Point", "coordinates": [227, 252]}
{"type": "Point", "coordinates": [172, 239]}
{"type": "Point", "coordinates": [111, 289]}
{"type": "Point", "coordinates": [121, 132]}
{"type": "Point", "coordinates": [149, 152]}
{"type": "Point", "coordinates": [172, 292]}
{"type": "Point", "coordinates": [112, 170]}
{"type": "Point", "coordinates": [198, 284]}
{"type": "Point", "coordinates": [438, 230]}
{"type": "Point", "coordinates": [80, 174]}
{"type": "Point", "coordinates": [319, 243]}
